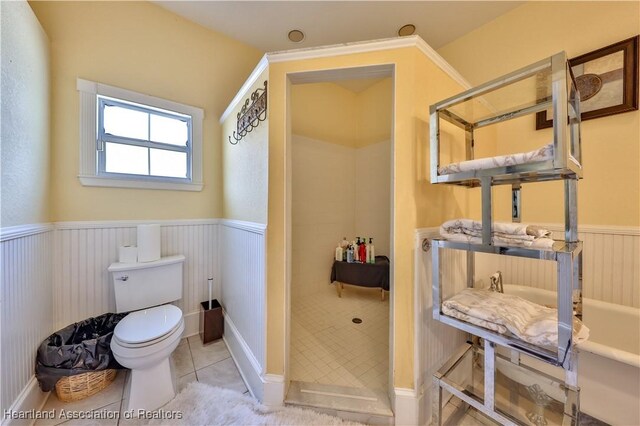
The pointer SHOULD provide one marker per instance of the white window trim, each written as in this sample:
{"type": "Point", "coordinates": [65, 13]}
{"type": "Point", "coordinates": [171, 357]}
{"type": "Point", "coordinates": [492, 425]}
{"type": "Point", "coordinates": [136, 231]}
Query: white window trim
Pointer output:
{"type": "Point", "coordinates": [88, 91]}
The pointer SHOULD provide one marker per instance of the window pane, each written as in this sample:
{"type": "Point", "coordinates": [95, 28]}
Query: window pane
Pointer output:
{"type": "Point", "coordinates": [168, 163]}
{"type": "Point", "coordinates": [125, 122]}
{"type": "Point", "coordinates": [126, 159]}
{"type": "Point", "coordinates": [168, 130]}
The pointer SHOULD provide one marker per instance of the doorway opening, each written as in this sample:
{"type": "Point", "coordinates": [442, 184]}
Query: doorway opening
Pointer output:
{"type": "Point", "coordinates": [339, 150]}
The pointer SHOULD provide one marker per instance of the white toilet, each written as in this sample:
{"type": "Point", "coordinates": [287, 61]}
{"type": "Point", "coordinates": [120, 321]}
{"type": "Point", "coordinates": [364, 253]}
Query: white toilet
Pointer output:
{"type": "Point", "coordinates": [144, 340]}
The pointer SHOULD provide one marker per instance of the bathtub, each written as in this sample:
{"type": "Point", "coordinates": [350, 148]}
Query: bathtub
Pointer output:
{"type": "Point", "coordinates": [609, 362]}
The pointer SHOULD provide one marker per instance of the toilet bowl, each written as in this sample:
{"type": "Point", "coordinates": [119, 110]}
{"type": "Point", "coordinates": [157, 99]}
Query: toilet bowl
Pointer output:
{"type": "Point", "coordinates": [143, 342]}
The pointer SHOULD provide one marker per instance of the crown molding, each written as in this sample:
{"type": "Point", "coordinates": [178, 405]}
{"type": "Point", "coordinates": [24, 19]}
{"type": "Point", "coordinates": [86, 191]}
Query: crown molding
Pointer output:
{"type": "Point", "coordinates": [345, 49]}
{"type": "Point", "coordinates": [250, 81]}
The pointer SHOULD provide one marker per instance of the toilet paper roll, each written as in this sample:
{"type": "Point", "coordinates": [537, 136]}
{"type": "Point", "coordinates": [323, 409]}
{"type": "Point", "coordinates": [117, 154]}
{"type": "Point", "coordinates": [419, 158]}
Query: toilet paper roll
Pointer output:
{"type": "Point", "coordinates": [127, 254]}
{"type": "Point", "coordinates": [148, 243]}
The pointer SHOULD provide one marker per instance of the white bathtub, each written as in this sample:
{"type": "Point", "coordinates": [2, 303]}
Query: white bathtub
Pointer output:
{"type": "Point", "coordinates": [609, 362]}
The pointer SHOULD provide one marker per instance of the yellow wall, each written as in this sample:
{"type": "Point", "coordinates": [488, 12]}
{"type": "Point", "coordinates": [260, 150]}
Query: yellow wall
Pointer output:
{"type": "Point", "coordinates": [25, 117]}
{"type": "Point", "coordinates": [141, 47]}
{"type": "Point", "coordinates": [244, 165]}
{"type": "Point", "coordinates": [375, 113]}
{"type": "Point", "coordinates": [609, 194]}
{"type": "Point", "coordinates": [418, 83]}
{"type": "Point", "coordinates": [332, 113]}
{"type": "Point", "coordinates": [324, 111]}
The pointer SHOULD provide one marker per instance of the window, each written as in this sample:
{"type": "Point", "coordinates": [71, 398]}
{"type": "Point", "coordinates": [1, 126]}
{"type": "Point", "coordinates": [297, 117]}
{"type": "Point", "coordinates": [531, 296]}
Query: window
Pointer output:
{"type": "Point", "coordinates": [137, 140]}
{"type": "Point", "coordinates": [133, 140]}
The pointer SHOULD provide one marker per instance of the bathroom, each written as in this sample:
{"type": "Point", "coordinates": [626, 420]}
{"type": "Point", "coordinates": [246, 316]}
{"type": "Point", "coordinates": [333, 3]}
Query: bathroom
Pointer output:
{"type": "Point", "coordinates": [61, 228]}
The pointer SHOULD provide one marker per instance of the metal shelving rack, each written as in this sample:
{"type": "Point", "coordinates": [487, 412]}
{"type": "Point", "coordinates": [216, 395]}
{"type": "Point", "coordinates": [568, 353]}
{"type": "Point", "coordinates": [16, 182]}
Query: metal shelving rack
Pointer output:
{"type": "Point", "coordinates": [544, 85]}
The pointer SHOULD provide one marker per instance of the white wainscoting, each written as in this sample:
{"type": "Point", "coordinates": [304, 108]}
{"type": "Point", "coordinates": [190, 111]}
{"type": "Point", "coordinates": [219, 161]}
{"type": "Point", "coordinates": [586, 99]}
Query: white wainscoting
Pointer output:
{"type": "Point", "coordinates": [611, 265]}
{"type": "Point", "coordinates": [25, 311]}
{"type": "Point", "coordinates": [84, 250]}
{"type": "Point", "coordinates": [435, 342]}
{"type": "Point", "coordinates": [54, 275]}
{"type": "Point", "coordinates": [242, 275]}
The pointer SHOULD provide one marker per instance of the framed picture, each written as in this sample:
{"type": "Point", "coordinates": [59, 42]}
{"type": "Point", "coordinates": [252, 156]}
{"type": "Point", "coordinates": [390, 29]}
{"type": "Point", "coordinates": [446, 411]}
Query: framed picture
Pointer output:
{"type": "Point", "coordinates": [607, 79]}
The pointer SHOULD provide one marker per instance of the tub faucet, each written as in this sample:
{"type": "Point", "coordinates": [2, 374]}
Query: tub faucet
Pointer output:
{"type": "Point", "coordinates": [496, 282]}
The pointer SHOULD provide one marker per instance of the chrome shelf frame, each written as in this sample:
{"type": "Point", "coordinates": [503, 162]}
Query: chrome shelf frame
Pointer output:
{"type": "Point", "coordinates": [560, 248]}
{"type": "Point", "coordinates": [569, 291]}
{"type": "Point", "coordinates": [565, 165]}
{"type": "Point", "coordinates": [521, 173]}
{"type": "Point", "coordinates": [565, 105]}
{"type": "Point", "coordinates": [486, 403]}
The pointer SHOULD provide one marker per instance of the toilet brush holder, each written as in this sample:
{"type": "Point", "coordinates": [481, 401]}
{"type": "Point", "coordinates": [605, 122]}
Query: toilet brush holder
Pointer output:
{"type": "Point", "coordinates": [211, 321]}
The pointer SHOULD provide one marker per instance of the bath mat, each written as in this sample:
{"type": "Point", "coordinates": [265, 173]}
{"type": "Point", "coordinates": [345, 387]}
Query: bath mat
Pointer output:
{"type": "Point", "coordinates": [202, 404]}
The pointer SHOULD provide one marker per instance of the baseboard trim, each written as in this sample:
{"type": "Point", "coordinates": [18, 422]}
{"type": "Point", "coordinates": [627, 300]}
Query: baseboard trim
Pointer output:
{"type": "Point", "coordinates": [248, 366]}
{"type": "Point", "coordinates": [273, 385]}
{"type": "Point", "coordinates": [407, 406]}
{"type": "Point", "coordinates": [30, 399]}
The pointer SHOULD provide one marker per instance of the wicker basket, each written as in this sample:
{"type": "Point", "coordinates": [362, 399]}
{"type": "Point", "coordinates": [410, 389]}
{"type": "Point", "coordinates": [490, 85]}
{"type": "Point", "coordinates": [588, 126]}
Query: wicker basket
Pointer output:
{"type": "Point", "coordinates": [80, 386]}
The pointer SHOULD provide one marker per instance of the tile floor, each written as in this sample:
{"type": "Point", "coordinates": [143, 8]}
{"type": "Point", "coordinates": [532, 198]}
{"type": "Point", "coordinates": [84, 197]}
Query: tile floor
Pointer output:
{"type": "Point", "coordinates": [328, 348]}
{"type": "Point", "coordinates": [212, 364]}
{"type": "Point", "coordinates": [193, 361]}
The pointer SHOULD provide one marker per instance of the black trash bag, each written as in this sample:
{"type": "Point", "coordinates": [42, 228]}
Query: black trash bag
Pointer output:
{"type": "Point", "coordinates": [76, 349]}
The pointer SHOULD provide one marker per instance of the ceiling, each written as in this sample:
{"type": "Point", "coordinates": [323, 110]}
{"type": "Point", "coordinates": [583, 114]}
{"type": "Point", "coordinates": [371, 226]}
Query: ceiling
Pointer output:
{"type": "Point", "coordinates": [265, 24]}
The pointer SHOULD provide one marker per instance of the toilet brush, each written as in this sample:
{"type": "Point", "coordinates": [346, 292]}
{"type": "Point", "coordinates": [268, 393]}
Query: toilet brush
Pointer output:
{"type": "Point", "coordinates": [210, 283]}
{"type": "Point", "coordinates": [211, 319]}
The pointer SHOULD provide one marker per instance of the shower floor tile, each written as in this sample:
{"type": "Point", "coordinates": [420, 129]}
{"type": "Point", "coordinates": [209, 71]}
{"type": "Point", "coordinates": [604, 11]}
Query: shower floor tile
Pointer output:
{"type": "Point", "coordinates": [328, 348]}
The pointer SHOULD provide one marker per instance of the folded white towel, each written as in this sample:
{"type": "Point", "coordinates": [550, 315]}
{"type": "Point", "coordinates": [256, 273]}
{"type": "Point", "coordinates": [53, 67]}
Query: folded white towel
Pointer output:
{"type": "Point", "coordinates": [541, 154]}
{"type": "Point", "coordinates": [511, 234]}
{"type": "Point", "coordinates": [510, 314]}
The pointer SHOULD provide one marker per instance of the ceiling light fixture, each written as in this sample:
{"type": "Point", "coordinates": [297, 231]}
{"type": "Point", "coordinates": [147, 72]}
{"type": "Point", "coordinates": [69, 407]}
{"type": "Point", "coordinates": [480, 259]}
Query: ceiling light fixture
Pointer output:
{"type": "Point", "coordinates": [406, 30]}
{"type": "Point", "coordinates": [296, 36]}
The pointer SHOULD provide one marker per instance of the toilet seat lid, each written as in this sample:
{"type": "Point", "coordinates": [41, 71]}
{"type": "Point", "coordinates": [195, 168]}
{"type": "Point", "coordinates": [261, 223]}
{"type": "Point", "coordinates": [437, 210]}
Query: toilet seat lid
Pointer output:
{"type": "Point", "coordinates": [148, 324]}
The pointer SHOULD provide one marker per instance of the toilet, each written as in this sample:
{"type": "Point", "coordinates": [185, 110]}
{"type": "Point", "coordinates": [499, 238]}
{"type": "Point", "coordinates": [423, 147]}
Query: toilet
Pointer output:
{"type": "Point", "coordinates": [144, 340]}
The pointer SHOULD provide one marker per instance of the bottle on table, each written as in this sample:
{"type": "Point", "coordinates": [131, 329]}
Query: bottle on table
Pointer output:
{"type": "Point", "coordinates": [344, 243]}
{"type": "Point", "coordinates": [362, 251]}
{"type": "Point", "coordinates": [371, 252]}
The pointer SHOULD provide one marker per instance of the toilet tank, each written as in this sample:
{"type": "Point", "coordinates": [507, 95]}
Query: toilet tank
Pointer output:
{"type": "Point", "coordinates": [146, 284]}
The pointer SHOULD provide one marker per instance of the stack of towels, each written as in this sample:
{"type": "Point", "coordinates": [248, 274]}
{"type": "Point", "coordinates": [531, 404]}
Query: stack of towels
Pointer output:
{"type": "Point", "coordinates": [510, 314]}
{"type": "Point", "coordinates": [510, 234]}
{"type": "Point", "coordinates": [541, 154]}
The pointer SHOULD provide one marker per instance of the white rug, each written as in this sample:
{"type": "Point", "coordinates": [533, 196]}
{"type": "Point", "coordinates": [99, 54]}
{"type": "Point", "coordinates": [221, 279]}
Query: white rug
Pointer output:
{"type": "Point", "coordinates": [202, 404]}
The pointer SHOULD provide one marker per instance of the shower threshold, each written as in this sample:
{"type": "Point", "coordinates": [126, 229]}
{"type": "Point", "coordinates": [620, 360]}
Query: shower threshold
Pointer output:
{"type": "Point", "coordinates": [356, 404]}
